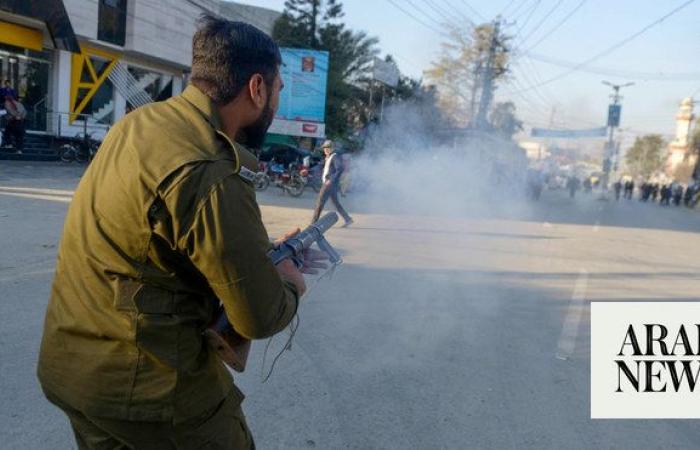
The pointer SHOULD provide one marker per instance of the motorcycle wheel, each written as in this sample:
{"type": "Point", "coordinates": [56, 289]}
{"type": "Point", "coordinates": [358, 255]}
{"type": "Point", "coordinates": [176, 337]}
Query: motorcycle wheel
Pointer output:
{"type": "Point", "coordinates": [262, 181]}
{"type": "Point", "coordinates": [295, 187]}
{"type": "Point", "coordinates": [66, 153]}
{"type": "Point", "coordinates": [81, 156]}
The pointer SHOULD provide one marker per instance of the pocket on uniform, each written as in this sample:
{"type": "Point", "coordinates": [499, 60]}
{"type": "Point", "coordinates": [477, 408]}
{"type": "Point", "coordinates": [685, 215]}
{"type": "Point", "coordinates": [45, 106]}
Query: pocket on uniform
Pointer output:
{"type": "Point", "coordinates": [157, 334]}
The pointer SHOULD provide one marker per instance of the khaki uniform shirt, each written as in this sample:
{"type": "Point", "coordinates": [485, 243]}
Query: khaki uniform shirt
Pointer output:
{"type": "Point", "coordinates": [163, 225]}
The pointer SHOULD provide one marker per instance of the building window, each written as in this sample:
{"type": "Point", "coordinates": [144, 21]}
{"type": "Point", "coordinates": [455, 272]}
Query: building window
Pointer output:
{"type": "Point", "coordinates": [111, 21]}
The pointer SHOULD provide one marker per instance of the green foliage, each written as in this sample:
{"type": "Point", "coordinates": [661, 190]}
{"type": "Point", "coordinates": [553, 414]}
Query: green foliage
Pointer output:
{"type": "Point", "coordinates": [646, 155]}
{"type": "Point", "coordinates": [459, 70]}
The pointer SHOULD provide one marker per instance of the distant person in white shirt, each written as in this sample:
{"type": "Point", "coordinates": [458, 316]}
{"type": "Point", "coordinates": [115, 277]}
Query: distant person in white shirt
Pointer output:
{"type": "Point", "coordinates": [332, 170]}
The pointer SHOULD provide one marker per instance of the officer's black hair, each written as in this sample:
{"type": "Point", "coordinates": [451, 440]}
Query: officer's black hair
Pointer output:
{"type": "Point", "coordinates": [226, 54]}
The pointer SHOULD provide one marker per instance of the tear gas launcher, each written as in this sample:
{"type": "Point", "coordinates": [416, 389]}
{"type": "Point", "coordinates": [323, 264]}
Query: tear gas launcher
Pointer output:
{"type": "Point", "coordinates": [233, 348]}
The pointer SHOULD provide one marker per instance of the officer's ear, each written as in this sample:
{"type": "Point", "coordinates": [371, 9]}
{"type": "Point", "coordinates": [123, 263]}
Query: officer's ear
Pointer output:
{"type": "Point", "coordinates": [258, 90]}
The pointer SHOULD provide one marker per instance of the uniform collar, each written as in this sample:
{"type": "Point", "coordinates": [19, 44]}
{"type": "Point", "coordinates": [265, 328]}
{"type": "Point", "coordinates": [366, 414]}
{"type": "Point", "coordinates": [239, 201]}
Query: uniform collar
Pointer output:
{"type": "Point", "coordinates": [204, 104]}
{"type": "Point", "coordinates": [197, 98]}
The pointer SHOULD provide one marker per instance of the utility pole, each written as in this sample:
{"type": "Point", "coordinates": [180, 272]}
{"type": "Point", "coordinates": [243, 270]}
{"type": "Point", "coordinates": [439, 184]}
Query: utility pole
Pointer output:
{"type": "Point", "coordinates": [611, 150]}
{"type": "Point", "coordinates": [488, 77]}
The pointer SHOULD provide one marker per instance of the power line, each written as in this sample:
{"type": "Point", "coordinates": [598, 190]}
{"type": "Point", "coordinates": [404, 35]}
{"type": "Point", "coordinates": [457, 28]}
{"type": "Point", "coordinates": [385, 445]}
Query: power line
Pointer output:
{"type": "Point", "coordinates": [468, 19]}
{"type": "Point", "coordinates": [527, 19]}
{"type": "Point", "coordinates": [408, 13]}
{"type": "Point", "coordinates": [435, 8]}
{"type": "Point", "coordinates": [421, 11]}
{"type": "Point", "coordinates": [541, 22]}
{"type": "Point", "coordinates": [517, 8]}
{"type": "Point", "coordinates": [615, 46]}
{"type": "Point", "coordinates": [473, 10]}
{"type": "Point", "coordinates": [505, 8]}
{"type": "Point", "coordinates": [558, 25]}
{"type": "Point", "coordinates": [650, 76]}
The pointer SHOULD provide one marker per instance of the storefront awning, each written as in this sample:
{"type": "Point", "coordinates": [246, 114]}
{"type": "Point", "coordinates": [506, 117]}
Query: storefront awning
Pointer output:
{"type": "Point", "coordinates": [51, 12]}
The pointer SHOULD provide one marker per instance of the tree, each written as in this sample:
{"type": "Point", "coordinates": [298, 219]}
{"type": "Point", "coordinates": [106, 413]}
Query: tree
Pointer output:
{"type": "Point", "coordinates": [646, 157]}
{"type": "Point", "coordinates": [458, 73]}
{"type": "Point", "coordinates": [504, 121]}
{"type": "Point", "coordinates": [315, 24]}
{"type": "Point", "coordinates": [300, 23]}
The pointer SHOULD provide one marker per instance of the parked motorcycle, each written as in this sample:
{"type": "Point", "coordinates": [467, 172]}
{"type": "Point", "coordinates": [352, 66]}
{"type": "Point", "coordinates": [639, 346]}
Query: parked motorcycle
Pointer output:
{"type": "Point", "coordinates": [291, 180]}
{"type": "Point", "coordinates": [81, 149]}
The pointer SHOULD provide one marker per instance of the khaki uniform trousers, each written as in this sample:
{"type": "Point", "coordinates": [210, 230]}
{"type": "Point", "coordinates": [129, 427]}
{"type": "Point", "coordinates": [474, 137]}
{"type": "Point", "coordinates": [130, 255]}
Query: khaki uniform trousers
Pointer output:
{"type": "Point", "coordinates": [223, 428]}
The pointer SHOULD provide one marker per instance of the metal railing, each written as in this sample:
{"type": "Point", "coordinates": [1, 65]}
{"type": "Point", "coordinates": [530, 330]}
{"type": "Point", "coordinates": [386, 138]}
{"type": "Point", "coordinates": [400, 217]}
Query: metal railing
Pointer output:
{"type": "Point", "coordinates": [77, 117]}
{"type": "Point", "coordinates": [42, 115]}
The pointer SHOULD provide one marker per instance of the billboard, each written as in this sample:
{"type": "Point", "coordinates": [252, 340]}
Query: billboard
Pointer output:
{"type": "Point", "coordinates": [302, 107]}
{"type": "Point", "coordinates": [385, 72]}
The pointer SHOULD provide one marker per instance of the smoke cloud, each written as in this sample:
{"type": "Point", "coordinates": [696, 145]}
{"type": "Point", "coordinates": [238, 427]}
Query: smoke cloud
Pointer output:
{"type": "Point", "coordinates": [409, 167]}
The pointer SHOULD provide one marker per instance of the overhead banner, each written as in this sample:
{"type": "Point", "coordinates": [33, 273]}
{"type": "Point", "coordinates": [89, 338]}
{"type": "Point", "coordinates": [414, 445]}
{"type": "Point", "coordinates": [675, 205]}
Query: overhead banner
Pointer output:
{"type": "Point", "coordinates": [302, 107]}
{"type": "Point", "coordinates": [569, 134]}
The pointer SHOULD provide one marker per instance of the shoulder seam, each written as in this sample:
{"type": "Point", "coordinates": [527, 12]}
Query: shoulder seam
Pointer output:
{"type": "Point", "coordinates": [202, 202]}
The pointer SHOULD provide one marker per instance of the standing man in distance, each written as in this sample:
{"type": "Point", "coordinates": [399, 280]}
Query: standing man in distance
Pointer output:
{"type": "Point", "coordinates": [332, 170]}
{"type": "Point", "coordinates": [163, 225]}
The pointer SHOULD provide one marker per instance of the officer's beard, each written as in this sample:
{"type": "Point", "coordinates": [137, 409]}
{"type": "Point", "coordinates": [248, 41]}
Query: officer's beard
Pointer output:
{"type": "Point", "coordinates": [253, 135]}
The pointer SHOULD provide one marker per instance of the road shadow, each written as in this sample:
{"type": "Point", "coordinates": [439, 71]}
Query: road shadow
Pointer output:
{"type": "Point", "coordinates": [475, 351]}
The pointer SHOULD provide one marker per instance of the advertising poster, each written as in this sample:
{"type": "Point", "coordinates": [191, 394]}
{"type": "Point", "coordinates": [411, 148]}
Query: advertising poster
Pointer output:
{"type": "Point", "coordinates": [303, 100]}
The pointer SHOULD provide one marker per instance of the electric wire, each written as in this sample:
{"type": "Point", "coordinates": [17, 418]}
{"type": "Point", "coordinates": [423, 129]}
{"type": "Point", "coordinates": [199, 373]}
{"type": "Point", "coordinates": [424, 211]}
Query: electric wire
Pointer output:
{"type": "Point", "coordinates": [614, 47]}
{"type": "Point", "coordinates": [411, 15]}
{"type": "Point", "coordinates": [541, 22]}
{"type": "Point", "coordinates": [558, 25]}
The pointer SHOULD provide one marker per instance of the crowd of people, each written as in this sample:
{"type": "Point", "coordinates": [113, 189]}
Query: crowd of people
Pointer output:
{"type": "Point", "coordinates": [667, 194]}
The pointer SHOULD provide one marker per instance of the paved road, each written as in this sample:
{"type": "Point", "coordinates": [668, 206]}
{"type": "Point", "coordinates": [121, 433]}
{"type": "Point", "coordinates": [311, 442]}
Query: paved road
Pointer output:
{"type": "Point", "coordinates": [438, 332]}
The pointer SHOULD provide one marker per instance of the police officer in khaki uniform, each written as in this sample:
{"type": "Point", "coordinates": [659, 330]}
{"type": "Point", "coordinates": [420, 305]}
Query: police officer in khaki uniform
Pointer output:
{"type": "Point", "coordinates": [163, 225]}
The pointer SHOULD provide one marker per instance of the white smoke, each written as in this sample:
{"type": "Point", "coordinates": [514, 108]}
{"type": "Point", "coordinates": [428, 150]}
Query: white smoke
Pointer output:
{"type": "Point", "coordinates": [408, 168]}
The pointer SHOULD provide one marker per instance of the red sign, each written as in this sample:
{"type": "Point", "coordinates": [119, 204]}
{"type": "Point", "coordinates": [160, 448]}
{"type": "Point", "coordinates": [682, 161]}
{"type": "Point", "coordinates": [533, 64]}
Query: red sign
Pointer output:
{"type": "Point", "coordinates": [309, 128]}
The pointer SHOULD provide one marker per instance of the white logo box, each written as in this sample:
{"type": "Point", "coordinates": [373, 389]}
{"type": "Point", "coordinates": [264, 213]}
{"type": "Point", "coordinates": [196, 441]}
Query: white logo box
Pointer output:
{"type": "Point", "coordinates": [610, 323]}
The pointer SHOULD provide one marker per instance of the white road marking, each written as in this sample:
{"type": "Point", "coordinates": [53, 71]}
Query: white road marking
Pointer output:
{"type": "Point", "coordinates": [53, 198]}
{"type": "Point", "coordinates": [31, 190]}
{"type": "Point", "coordinates": [569, 331]}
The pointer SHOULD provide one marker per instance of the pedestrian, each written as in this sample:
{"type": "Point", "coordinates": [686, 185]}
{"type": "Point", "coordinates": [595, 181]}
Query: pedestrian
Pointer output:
{"type": "Point", "coordinates": [7, 89]}
{"type": "Point", "coordinates": [618, 189]}
{"type": "Point", "coordinates": [163, 226]}
{"type": "Point", "coordinates": [665, 195]}
{"type": "Point", "coordinates": [630, 190]}
{"type": "Point", "coordinates": [677, 194]}
{"type": "Point", "coordinates": [688, 195]}
{"type": "Point", "coordinates": [14, 125]}
{"type": "Point", "coordinates": [332, 171]}
{"type": "Point", "coordinates": [654, 191]}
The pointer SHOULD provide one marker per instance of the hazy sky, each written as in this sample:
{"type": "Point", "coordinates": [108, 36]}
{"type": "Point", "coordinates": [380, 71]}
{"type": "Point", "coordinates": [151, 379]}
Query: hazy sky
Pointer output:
{"type": "Point", "coordinates": [580, 100]}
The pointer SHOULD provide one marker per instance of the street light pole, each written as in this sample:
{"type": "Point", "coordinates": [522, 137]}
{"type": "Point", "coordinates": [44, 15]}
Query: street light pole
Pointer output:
{"type": "Point", "coordinates": [613, 122]}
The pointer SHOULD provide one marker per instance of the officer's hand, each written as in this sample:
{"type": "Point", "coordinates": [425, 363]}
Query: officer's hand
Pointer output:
{"type": "Point", "coordinates": [287, 269]}
{"type": "Point", "coordinates": [289, 272]}
{"type": "Point", "coordinates": [313, 260]}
